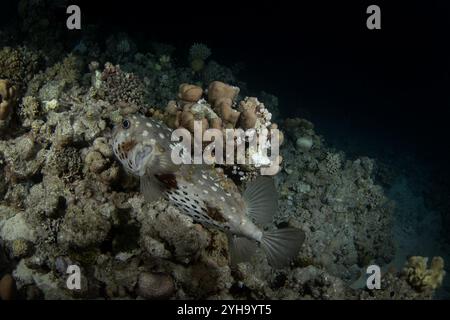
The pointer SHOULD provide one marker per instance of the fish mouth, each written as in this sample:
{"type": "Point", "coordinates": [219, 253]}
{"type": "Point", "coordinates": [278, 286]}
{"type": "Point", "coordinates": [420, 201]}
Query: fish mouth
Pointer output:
{"type": "Point", "coordinates": [118, 150]}
{"type": "Point", "coordinates": [122, 151]}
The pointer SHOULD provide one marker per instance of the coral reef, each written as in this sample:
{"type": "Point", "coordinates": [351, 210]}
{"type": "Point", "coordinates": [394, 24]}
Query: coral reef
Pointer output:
{"type": "Point", "coordinates": [64, 200]}
{"type": "Point", "coordinates": [336, 202]}
{"type": "Point", "coordinates": [68, 202]}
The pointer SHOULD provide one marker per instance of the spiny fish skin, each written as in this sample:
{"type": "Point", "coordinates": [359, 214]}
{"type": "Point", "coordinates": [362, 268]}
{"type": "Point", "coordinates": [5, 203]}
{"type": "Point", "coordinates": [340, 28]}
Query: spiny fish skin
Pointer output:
{"type": "Point", "coordinates": [199, 191]}
{"type": "Point", "coordinates": [205, 195]}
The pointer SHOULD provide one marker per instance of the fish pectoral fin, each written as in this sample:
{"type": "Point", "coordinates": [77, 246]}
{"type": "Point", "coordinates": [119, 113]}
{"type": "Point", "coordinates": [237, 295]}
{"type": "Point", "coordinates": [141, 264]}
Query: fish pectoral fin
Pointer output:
{"type": "Point", "coordinates": [240, 249]}
{"type": "Point", "coordinates": [165, 163]}
{"type": "Point", "coordinates": [150, 188]}
{"type": "Point", "coordinates": [261, 200]}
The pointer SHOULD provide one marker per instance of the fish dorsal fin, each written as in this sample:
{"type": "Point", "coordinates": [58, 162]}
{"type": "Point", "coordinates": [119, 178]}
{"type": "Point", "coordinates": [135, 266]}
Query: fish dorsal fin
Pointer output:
{"type": "Point", "coordinates": [150, 188]}
{"type": "Point", "coordinates": [261, 200]}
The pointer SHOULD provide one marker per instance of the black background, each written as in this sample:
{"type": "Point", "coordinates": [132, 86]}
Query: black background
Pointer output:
{"type": "Point", "coordinates": [316, 56]}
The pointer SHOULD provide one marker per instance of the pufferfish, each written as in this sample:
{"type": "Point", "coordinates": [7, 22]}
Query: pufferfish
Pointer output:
{"type": "Point", "coordinates": [144, 147]}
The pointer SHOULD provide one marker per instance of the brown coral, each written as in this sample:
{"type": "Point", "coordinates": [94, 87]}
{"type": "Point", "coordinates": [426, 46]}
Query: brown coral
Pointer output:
{"type": "Point", "coordinates": [248, 116]}
{"type": "Point", "coordinates": [189, 92]}
{"type": "Point", "coordinates": [219, 112]}
{"type": "Point", "coordinates": [229, 116]}
{"type": "Point", "coordinates": [221, 96]}
{"type": "Point", "coordinates": [187, 120]}
{"type": "Point", "coordinates": [7, 287]}
{"type": "Point", "coordinates": [8, 99]}
{"type": "Point", "coordinates": [217, 91]}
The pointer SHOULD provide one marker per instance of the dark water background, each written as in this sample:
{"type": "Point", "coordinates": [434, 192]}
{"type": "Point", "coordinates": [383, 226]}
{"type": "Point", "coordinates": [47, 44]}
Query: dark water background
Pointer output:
{"type": "Point", "coordinates": [392, 85]}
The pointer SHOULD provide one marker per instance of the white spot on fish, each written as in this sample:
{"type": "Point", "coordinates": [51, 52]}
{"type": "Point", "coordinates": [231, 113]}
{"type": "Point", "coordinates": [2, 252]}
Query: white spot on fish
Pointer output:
{"type": "Point", "coordinates": [145, 133]}
{"type": "Point", "coordinates": [137, 123]}
{"type": "Point", "coordinates": [204, 177]}
{"type": "Point", "coordinates": [222, 198]}
{"type": "Point", "coordinates": [213, 188]}
{"type": "Point", "coordinates": [205, 191]}
{"type": "Point", "coordinates": [161, 135]}
{"type": "Point", "coordinates": [201, 182]}
{"type": "Point", "coordinates": [148, 124]}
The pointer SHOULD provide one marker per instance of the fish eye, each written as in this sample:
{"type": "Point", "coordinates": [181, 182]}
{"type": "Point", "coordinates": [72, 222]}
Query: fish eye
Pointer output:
{"type": "Point", "coordinates": [125, 123]}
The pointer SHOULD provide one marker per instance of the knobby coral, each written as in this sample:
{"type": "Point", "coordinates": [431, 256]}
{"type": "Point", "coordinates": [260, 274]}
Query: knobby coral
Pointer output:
{"type": "Point", "coordinates": [220, 109]}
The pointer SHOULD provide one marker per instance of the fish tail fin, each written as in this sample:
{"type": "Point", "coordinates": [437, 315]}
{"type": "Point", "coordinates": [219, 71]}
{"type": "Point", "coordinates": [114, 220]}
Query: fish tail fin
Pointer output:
{"type": "Point", "coordinates": [241, 249]}
{"type": "Point", "coordinates": [282, 245]}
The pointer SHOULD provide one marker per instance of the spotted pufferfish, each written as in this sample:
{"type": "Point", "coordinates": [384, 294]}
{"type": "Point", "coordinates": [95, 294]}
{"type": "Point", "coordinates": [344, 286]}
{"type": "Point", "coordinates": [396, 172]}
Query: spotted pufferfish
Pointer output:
{"type": "Point", "coordinates": [143, 146]}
